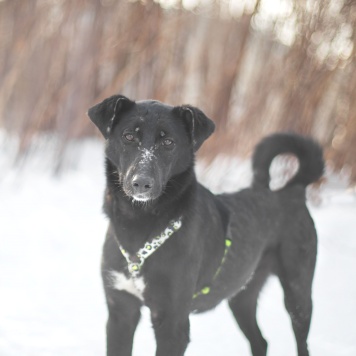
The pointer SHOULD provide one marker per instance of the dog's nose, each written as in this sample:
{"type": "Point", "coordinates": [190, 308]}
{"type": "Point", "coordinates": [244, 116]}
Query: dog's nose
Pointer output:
{"type": "Point", "coordinates": [142, 184]}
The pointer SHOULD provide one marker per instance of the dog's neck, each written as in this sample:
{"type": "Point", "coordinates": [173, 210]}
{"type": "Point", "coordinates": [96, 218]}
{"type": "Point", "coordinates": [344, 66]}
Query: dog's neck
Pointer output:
{"type": "Point", "coordinates": [127, 215]}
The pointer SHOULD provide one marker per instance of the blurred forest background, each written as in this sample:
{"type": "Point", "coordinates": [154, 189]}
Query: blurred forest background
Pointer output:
{"type": "Point", "coordinates": [253, 66]}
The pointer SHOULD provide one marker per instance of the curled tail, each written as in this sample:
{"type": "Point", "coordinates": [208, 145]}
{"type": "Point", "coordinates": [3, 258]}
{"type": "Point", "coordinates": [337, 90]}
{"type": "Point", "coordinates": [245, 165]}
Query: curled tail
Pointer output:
{"type": "Point", "coordinates": [308, 152]}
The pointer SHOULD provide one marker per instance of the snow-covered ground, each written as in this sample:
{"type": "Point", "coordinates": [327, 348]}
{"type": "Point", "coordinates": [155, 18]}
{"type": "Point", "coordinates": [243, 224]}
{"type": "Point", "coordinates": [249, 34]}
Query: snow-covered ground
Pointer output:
{"type": "Point", "coordinates": [51, 299]}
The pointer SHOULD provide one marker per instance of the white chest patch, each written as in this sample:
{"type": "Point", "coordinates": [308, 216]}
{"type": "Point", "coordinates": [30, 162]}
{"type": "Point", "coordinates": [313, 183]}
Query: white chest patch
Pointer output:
{"type": "Point", "coordinates": [135, 286]}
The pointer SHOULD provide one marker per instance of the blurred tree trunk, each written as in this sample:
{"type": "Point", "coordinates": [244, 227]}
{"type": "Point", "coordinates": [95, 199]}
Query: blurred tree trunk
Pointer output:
{"type": "Point", "coordinates": [60, 57]}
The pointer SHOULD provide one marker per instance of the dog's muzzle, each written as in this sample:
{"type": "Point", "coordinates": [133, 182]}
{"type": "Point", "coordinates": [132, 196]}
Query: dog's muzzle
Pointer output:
{"type": "Point", "coordinates": [142, 185]}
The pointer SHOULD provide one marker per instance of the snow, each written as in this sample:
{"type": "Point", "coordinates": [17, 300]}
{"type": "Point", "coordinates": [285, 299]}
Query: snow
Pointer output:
{"type": "Point", "coordinates": [147, 155]}
{"type": "Point", "coordinates": [52, 303]}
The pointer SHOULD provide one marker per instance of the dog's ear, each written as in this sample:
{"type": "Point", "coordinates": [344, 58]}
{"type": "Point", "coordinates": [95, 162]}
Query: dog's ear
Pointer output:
{"type": "Point", "coordinates": [199, 125]}
{"type": "Point", "coordinates": [106, 113]}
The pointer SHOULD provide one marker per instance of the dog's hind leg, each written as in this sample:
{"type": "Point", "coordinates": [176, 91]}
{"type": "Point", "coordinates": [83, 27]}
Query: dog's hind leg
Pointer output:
{"type": "Point", "coordinates": [244, 306]}
{"type": "Point", "coordinates": [295, 271]}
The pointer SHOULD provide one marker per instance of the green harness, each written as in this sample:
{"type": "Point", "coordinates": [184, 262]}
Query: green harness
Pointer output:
{"type": "Point", "coordinates": [206, 289]}
{"type": "Point", "coordinates": [135, 262]}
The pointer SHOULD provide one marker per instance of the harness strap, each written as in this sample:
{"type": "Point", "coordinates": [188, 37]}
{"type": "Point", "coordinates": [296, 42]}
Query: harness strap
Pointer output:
{"type": "Point", "coordinates": [206, 289]}
{"type": "Point", "coordinates": [135, 262]}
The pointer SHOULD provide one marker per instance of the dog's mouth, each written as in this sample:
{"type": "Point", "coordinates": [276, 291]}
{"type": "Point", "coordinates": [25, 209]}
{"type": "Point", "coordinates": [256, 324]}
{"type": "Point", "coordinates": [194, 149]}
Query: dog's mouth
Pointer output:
{"type": "Point", "coordinates": [141, 198]}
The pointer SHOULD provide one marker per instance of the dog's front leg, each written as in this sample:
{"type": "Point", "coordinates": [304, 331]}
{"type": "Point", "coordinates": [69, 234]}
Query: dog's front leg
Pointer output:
{"type": "Point", "coordinates": [169, 296]}
{"type": "Point", "coordinates": [124, 315]}
{"type": "Point", "coordinates": [171, 331]}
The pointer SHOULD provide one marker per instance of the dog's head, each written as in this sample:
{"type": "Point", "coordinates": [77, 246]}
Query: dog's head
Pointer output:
{"type": "Point", "coordinates": [149, 142]}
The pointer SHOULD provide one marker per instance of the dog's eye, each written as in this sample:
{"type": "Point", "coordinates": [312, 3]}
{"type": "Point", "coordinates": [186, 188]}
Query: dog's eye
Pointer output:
{"type": "Point", "coordinates": [129, 137]}
{"type": "Point", "coordinates": [167, 142]}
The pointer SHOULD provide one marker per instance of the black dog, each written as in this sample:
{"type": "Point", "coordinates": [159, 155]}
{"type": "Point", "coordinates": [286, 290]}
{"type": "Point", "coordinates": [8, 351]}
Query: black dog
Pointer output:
{"type": "Point", "coordinates": [176, 248]}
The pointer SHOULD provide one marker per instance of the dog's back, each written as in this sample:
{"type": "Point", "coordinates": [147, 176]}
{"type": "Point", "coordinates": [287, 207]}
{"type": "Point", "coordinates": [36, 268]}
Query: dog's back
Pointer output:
{"type": "Point", "coordinates": [261, 222]}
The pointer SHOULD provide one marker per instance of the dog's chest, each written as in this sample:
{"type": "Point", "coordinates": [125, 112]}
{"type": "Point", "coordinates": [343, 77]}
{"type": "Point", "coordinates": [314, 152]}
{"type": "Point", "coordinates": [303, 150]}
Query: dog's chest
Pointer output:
{"type": "Point", "coordinates": [133, 285]}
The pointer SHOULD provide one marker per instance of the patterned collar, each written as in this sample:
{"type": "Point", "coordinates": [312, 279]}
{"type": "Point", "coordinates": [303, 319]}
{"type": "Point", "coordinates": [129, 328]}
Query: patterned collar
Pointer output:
{"type": "Point", "coordinates": [135, 262]}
